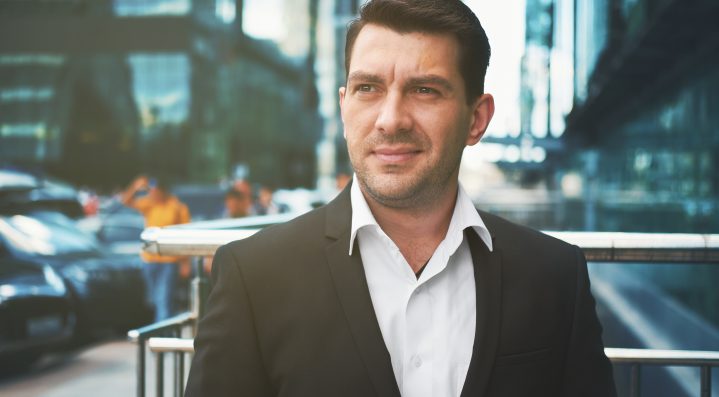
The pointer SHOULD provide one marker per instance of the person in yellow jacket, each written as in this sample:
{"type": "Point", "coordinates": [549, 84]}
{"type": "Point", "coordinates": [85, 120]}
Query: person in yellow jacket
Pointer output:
{"type": "Point", "coordinates": [159, 208]}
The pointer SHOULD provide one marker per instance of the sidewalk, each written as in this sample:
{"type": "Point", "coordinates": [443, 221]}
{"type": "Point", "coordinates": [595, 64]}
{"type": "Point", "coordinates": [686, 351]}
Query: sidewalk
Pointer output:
{"type": "Point", "coordinates": [106, 369]}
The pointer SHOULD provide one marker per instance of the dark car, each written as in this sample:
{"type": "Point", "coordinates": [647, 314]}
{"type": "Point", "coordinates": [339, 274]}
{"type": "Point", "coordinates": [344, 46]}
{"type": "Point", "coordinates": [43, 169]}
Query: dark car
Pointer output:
{"type": "Point", "coordinates": [22, 192]}
{"type": "Point", "coordinates": [116, 226]}
{"type": "Point", "coordinates": [36, 314]}
{"type": "Point", "coordinates": [107, 290]}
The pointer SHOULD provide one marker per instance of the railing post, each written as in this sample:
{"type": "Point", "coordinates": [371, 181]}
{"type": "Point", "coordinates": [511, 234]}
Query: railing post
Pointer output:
{"type": "Point", "coordinates": [176, 333]}
{"type": "Point", "coordinates": [634, 381]}
{"type": "Point", "coordinates": [200, 285]}
{"type": "Point", "coordinates": [160, 374]}
{"type": "Point", "coordinates": [140, 367]}
{"type": "Point", "coordinates": [179, 374]}
{"type": "Point", "coordinates": [706, 381]}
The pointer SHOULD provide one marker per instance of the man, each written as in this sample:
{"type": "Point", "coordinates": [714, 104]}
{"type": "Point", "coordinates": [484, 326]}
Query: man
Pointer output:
{"type": "Point", "coordinates": [399, 287]}
{"type": "Point", "coordinates": [159, 208]}
{"type": "Point", "coordinates": [237, 204]}
{"type": "Point", "coordinates": [266, 205]}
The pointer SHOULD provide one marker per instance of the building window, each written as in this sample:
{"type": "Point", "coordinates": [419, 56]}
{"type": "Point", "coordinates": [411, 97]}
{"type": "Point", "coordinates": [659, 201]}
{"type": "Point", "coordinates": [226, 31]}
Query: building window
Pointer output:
{"type": "Point", "coordinates": [127, 8]}
{"type": "Point", "coordinates": [26, 94]}
{"type": "Point", "coordinates": [225, 10]}
{"type": "Point", "coordinates": [161, 86]}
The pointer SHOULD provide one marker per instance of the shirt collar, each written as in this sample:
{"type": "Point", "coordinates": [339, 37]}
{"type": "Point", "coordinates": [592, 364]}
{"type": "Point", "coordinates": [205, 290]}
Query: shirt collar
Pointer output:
{"type": "Point", "coordinates": [464, 216]}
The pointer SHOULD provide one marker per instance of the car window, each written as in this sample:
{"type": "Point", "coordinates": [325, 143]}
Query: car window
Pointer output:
{"type": "Point", "coordinates": [45, 233]}
{"type": "Point", "coordinates": [116, 233]}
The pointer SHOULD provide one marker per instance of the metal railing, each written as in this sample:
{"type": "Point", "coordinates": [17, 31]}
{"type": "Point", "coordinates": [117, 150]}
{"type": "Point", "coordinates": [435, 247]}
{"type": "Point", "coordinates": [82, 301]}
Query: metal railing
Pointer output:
{"type": "Point", "coordinates": [597, 246]}
{"type": "Point", "coordinates": [705, 360]}
{"type": "Point", "coordinates": [171, 327]}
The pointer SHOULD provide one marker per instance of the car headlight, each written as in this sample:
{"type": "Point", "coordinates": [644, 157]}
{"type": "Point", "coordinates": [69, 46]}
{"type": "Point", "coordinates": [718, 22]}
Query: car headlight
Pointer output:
{"type": "Point", "coordinates": [7, 291]}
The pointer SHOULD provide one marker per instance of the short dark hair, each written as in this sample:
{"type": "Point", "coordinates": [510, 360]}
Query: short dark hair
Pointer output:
{"type": "Point", "coordinates": [431, 16]}
{"type": "Point", "coordinates": [160, 182]}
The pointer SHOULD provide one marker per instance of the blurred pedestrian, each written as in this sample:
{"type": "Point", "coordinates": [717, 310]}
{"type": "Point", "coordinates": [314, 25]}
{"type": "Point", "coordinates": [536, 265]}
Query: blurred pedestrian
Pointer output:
{"type": "Point", "coordinates": [341, 180]}
{"type": "Point", "coordinates": [237, 204]}
{"type": "Point", "coordinates": [245, 187]}
{"type": "Point", "coordinates": [265, 205]}
{"type": "Point", "coordinates": [160, 208]}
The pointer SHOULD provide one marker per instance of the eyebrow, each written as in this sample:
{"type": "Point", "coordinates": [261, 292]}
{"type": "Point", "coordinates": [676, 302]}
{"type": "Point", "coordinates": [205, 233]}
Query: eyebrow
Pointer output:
{"type": "Point", "coordinates": [431, 80]}
{"type": "Point", "coordinates": [365, 77]}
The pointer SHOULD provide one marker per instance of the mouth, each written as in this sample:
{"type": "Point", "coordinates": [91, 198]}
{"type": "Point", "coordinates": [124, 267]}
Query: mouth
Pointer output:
{"type": "Point", "coordinates": [395, 155]}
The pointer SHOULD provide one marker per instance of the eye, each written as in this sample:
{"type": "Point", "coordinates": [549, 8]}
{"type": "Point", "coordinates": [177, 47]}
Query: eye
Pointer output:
{"type": "Point", "coordinates": [364, 88]}
{"type": "Point", "coordinates": [425, 90]}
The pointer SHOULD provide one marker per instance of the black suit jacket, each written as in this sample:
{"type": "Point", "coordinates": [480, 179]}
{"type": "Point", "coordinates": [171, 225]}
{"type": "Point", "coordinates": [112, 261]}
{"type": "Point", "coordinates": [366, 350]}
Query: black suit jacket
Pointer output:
{"type": "Point", "coordinates": [289, 314]}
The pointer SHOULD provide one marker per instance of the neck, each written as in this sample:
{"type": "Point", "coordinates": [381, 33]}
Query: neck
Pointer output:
{"type": "Point", "coordinates": [416, 231]}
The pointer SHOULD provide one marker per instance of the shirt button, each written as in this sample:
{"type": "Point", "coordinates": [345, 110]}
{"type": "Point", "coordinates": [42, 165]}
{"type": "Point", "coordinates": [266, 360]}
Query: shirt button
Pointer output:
{"type": "Point", "coordinates": [417, 361]}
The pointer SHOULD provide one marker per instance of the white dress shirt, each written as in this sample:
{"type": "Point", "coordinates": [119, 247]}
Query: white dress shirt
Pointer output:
{"type": "Point", "coordinates": [427, 324]}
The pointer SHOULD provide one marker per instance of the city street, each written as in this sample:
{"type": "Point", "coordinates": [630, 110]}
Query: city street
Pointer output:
{"type": "Point", "coordinates": [105, 369]}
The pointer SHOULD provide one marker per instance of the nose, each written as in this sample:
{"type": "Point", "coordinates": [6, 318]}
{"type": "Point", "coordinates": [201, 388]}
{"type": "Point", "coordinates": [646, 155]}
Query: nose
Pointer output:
{"type": "Point", "coordinates": [394, 116]}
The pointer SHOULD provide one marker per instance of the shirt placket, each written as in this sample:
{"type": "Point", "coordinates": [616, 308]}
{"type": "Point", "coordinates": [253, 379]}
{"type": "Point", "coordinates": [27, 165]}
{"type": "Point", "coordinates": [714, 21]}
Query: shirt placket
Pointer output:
{"type": "Point", "coordinates": [419, 349]}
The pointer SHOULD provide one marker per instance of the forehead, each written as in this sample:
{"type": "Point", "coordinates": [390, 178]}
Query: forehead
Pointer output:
{"type": "Point", "coordinates": [379, 49]}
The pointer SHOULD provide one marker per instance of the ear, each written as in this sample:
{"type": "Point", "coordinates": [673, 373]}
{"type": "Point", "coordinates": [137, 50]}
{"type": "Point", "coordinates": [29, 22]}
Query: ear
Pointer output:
{"type": "Point", "coordinates": [342, 92]}
{"type": "Point", "coordinates": [482, 112]}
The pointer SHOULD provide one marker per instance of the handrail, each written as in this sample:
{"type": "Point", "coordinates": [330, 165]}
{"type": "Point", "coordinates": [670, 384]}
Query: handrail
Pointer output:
{"type": "Point", "coordinates": [644, 247]}
{"type": "Point", "coordinates": [691, 358]}
{"type": "Point", "coordinates": [167, 241]}
{"type": "Point", "coordinates": [134, 335]}
{"type": "Point", "coordinates": [705, 360]}
{"type": "Point", "coordinates": [597, 246]}
{"type": "Point", "coordinates": [170, 345]}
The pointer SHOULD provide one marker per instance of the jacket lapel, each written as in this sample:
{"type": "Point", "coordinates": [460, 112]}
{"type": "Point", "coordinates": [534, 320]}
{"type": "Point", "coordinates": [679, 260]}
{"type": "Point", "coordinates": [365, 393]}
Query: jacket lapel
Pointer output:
{"type": "Point", "coordinates": [488, 281]}
{"type": "Point", "coordinates": [351, 285]}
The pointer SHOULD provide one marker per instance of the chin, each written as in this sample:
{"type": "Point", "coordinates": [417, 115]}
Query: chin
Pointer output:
{"type": "Point", "coordinates": [392, 189]}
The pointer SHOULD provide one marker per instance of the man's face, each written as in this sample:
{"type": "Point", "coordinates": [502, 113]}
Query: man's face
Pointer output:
{"type": "Point", "coordinates": [236, 206]}
{"type": "Point", "coordinates": [406, 115]}
{"type": "Point", "coordinates": [265, 197]}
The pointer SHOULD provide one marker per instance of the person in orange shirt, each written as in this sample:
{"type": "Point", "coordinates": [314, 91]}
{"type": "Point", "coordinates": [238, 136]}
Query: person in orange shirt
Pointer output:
{"type": "Point", "coordinates": [160, 208]}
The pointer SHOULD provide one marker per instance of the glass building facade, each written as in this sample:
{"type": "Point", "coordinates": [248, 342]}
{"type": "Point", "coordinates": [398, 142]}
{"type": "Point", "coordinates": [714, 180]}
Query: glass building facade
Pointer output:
{"type": "Point", "coordinates": [28, 89]}
{"type": "Point", "coordinates": [643, 128]}
{"type": "Point", "coordinates": [644, 140]}
{"type": "Point", "coordinates": [95, 92]}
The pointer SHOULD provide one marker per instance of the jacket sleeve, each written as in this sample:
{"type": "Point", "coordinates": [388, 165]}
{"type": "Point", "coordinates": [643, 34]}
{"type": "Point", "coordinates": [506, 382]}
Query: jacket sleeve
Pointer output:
{"type": "Point", "coordinates": [588, 371]}
{"type": "Point", "coordinates": [227, 359]}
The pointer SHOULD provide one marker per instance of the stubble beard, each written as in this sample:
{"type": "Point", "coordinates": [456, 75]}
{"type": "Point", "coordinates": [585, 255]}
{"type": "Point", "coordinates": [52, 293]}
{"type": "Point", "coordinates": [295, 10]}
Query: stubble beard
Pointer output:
{"type": "Point", "coordinates": [416, 189]}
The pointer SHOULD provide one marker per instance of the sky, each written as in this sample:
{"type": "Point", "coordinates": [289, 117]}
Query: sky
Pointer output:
{"type": "Point", "coordinates": [263, 19]}
{"type": "Point", "coordinates": [503, 21]}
